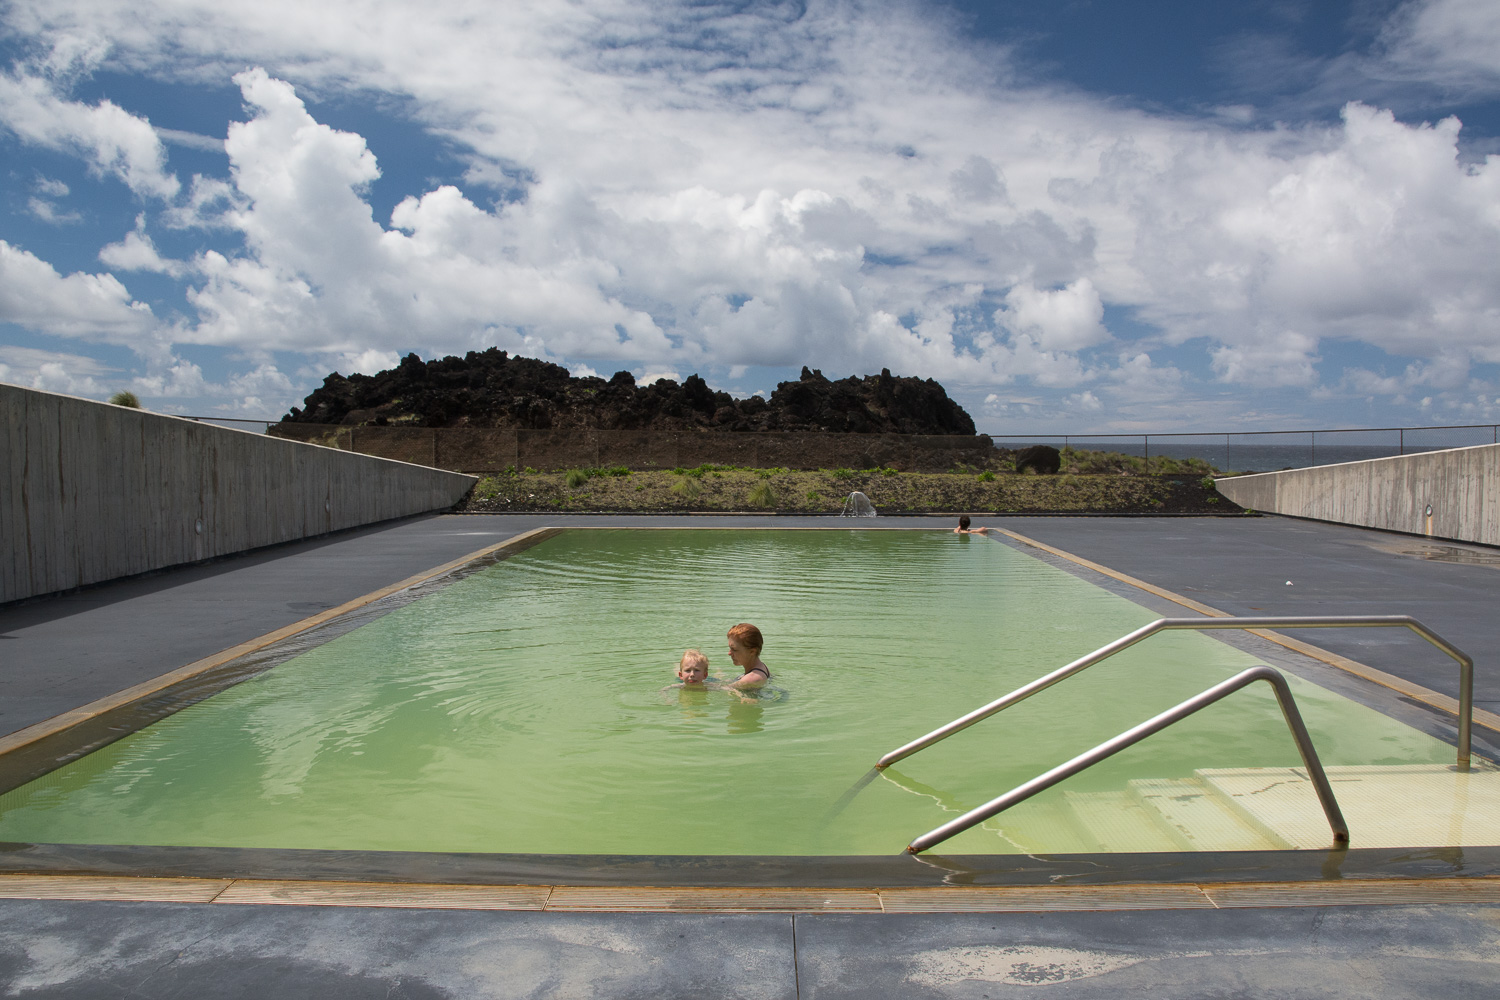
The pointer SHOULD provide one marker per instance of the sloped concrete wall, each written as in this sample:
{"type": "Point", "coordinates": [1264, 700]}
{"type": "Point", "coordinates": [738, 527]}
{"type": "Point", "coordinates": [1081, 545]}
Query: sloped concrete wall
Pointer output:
{"type": "Point", "coordinates": [1461, 485]}
{"type": "Point", "coordinates": [92, 492]}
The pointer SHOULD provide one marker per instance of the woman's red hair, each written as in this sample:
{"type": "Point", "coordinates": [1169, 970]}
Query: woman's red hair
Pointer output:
{"type": "Point", "coordinates": [748, 636]}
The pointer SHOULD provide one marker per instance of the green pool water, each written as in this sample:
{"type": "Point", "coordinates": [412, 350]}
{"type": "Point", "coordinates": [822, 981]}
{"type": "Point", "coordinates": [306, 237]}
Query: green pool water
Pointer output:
{"type": "Point", "coordinates": [522, 710]}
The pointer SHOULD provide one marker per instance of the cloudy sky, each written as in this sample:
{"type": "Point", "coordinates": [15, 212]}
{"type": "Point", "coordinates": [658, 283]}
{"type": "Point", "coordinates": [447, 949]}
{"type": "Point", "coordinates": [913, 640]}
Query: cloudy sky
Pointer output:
{"type": "Point", "coordinates": [1078, 215]}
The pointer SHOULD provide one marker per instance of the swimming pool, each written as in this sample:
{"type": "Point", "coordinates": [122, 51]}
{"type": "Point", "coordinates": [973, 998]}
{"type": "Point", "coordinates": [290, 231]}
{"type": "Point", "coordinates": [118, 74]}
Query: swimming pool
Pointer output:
{"type": "Point", "coordinates": [520, 710]}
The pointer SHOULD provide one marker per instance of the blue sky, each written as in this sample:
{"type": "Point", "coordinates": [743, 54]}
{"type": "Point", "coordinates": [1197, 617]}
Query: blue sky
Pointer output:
{"type": "Point", "coordinates": [1078, 216]}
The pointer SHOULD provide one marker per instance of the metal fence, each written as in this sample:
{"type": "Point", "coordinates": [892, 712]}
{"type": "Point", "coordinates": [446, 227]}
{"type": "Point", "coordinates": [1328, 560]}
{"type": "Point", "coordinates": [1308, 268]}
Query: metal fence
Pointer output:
{"type": "Point", "coordinates": [1239, 451]}
{"type": "Point", "coordinates": [1265, 451]}
{"type": "Point", "coordinates": [258, 426]}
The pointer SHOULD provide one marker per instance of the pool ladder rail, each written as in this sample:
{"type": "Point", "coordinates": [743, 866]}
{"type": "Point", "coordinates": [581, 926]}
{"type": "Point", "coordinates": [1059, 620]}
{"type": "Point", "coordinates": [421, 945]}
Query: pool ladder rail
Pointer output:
{"type": "Point", "coordinates": [1167, 718]}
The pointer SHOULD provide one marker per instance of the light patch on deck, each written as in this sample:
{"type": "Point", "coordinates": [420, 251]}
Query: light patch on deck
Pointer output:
{"type": "Point", "coordinates": [1016, 966]}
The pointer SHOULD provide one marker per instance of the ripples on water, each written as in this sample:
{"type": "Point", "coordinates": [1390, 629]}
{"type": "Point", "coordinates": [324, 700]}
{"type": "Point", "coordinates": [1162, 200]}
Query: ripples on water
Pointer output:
{"type": "Point", "coordinates": [522, 709]}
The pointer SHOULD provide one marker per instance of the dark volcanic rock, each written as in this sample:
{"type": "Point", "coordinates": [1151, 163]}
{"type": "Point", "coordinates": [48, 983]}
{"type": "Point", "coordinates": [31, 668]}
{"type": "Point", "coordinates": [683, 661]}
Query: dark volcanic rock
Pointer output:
{"type": "Point", "coordinates": [1044, 458]}
{"type": "Point", "coordinates": [492, 389]}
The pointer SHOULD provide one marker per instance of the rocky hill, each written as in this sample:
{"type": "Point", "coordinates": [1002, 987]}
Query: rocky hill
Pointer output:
{"type": "Point", "coordinates": [492, 389]}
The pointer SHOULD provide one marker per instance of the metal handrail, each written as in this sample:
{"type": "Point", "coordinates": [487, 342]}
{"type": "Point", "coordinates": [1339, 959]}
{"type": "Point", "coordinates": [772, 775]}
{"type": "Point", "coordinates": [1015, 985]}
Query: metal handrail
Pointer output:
{"type": "Point", "coordinates": [1131, 737]}
{"type": "Point", "coordinates": [1465, 669]}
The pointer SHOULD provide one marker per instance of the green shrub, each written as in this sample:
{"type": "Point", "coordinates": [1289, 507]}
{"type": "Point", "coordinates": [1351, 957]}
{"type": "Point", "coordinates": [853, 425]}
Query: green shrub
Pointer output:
{"type": "Point", "coordinates": [1113, 463]}
{"type": "Point", "coordinates": [986, 476]}
{"type": "Point", "coordinates": [813, 496]}
{"type": "Point", "coordinates": [763, 495]}
{"type": "Point", "coordinates": [842, 473]}
{"type": "Point", "coordinates": [576, 478]}
{"type": "Point", "coordinates": [124, 398]}
{"type": "Point", "coordinates": [1208, 483]}
{"type": "Point", "coordinates": [687, 488]}
{"type": "Point", "coordinates": [531, 472]}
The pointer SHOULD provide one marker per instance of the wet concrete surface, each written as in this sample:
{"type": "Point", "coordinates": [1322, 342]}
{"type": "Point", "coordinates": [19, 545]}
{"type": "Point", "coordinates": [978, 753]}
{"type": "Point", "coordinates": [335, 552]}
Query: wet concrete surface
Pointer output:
{"type": "Point", "coordinates": [1354, 952]}
{"type": "Point", "coordinates": [110, 950]}
{"type": "Point", "coordinates": [89, 950]}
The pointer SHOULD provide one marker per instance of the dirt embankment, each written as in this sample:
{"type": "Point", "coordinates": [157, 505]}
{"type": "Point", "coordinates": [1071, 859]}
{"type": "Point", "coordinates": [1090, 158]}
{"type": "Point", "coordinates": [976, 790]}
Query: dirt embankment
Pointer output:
{"type": "Point", "coordinates": [721, 488]}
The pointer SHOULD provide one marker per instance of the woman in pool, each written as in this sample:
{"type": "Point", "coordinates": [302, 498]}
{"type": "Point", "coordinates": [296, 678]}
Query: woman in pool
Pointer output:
{"type": "Point", "coordinates": [745, 644]}
{"type": "Point", "coordinates": [964, 529]}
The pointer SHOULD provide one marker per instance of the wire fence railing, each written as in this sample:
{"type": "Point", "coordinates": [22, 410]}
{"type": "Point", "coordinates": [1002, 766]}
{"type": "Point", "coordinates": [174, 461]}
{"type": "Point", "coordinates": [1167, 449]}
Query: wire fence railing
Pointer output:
{"type": "Point", "coordinates": [1265, 451]}
{"type": "Point", "coordinates": [260, 426]}
{"type": "Point", "coordinates": [1240, 451]}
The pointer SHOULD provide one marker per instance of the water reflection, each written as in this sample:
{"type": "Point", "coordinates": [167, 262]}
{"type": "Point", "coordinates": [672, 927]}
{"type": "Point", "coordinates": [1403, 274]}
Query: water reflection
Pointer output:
{"type": "Point", "coordinates": [745, 715]}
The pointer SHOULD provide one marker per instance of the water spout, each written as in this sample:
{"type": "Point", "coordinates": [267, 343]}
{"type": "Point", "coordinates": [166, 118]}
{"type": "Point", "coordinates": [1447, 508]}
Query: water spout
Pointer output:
{"type": "Point", "coordinates": [858, 505]}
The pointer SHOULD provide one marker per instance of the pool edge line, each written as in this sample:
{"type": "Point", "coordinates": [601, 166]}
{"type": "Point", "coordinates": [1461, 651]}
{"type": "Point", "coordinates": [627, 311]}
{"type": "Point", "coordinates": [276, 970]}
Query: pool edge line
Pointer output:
{"type": "Point", "coordinates": [796, 899]}
{"type": "Point", "coordinates": [1409, 689]}
{"type": "Point", "coordinates": [64, 721]}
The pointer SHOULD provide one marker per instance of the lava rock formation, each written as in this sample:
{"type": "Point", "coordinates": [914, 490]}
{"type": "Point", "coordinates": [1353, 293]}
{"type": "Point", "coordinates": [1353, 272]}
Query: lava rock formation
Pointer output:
{"type": "Point", "coordinates": [492, 389]}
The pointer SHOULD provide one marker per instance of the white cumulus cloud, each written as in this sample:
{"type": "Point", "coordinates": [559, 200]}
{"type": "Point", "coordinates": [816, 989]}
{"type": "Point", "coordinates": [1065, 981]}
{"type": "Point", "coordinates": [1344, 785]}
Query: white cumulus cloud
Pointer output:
{"type": "Point", "coordinates": [92, 306]}
{"type": "Point", "coordinates": [847, 185]}
{"type": "Point", "coordinates": [110, 139]}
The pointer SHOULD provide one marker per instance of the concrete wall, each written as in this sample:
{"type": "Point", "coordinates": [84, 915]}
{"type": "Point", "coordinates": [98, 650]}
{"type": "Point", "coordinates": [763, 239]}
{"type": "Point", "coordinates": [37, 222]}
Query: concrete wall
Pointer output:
{"type": "Point", "coordinates": [92, 492]}
{"type": "Point", "coordinates": [476, 449]}
{"type": "Point", "coordinates": [1462, 485]}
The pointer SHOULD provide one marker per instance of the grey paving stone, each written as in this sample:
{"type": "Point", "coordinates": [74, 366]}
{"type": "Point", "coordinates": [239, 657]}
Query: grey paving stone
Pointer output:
{"type": "Point", "coordinates": [1242, 566]}
{"type": "Point", "coordinates": [106, 950]}
{"type": "Point", "coordinates": [1362, 953]}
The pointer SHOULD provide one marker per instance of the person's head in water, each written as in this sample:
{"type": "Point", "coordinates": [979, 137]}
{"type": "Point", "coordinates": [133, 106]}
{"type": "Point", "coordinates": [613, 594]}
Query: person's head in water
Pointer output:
{"type": "Point", "coordinates": [692, 668]}
{"type": "Point", "coordinates": [963, 523]}
{"type": "Point", "coordinates": [745, 644]}
{"type": "Point", "coordinates": [747, 637]}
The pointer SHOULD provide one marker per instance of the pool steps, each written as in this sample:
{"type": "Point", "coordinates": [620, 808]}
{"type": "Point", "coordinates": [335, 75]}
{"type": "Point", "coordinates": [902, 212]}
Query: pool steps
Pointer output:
{"type": "Point", "coordinates": [1267, 809]}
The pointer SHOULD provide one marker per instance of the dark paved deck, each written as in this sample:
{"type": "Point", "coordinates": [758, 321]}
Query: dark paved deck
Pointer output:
{"type": "Point", "coordinates": [59, 653]}
{"type": "Point", "coordinates": [1242, 566]}
{"type": "Point", "coordinates": [106, 950]}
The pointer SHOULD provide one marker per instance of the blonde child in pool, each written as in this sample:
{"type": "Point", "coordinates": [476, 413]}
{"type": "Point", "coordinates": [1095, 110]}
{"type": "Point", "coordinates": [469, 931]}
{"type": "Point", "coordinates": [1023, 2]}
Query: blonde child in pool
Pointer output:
{"type": "Point", "coordinates": [692, 672]}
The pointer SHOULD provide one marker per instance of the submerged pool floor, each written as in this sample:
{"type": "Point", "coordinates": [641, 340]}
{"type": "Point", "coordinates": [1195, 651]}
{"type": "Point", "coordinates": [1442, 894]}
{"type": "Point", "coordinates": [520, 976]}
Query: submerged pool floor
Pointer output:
{"type": "Point", "coordinates": [523, 709]}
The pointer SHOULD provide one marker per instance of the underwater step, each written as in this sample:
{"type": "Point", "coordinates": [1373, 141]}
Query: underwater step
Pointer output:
{"type": "Point", "coordinates": [1117, 822]}
{"type": "Point", "coordinates": [1042, 827]}
{"type": "Point", "coordinates": [1200, 818]}
{"type": "Point", "coordinates": [1414, 805]}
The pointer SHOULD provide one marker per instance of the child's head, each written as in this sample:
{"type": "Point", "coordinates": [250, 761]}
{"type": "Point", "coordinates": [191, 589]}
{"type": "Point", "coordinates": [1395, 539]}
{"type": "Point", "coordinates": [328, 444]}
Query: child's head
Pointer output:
{"type": "Point", "coordinates": [963, 523]}
{"type": "Point", "coordinates": [692, 668]}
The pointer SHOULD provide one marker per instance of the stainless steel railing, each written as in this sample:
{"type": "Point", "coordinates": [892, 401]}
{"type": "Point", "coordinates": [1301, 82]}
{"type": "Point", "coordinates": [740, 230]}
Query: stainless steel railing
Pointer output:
{"type": "Point", "coordinates": [1132, 736]}
{"type": "Point", "coordinates": [1465, 669]}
